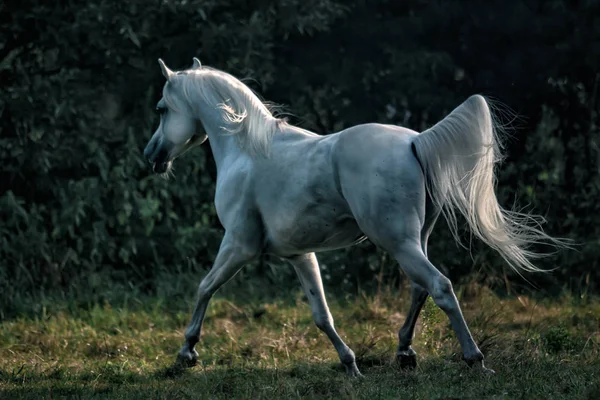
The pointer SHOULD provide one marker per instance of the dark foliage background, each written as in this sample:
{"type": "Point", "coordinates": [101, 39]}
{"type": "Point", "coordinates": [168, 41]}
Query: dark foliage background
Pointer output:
{"type": "Point", "coordinates": [82, 215]}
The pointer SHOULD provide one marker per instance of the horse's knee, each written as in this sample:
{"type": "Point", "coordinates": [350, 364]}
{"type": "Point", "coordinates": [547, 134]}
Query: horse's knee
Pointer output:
{"type": "Point", "coordinates": [205, 289]}
{"type": "Point", "coordinates": [248, 251]}
{"type": "Point", "coordinates": [323, 321]}
{"type": "Point", "coordinates": [426, 276]}
{"type": "Point", "coordinates": [442, 293]}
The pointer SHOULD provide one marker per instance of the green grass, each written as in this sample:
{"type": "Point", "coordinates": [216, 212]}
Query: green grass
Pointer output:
{"type": "Point", "coordinates": [253, 349]}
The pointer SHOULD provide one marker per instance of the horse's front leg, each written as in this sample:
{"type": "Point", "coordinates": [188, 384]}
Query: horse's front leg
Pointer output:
{"type": "Point", "coordinates": [232, 256]}
{"type": "Point", "coordinates": [307, 268]}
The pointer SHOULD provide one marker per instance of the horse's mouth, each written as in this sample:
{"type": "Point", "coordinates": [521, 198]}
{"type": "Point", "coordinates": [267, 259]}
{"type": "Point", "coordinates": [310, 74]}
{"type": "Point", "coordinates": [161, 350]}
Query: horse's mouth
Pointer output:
{"type": "Point", "coordinates": [161, 167]}
{"type": "Point", "coordinates": [162, 158]}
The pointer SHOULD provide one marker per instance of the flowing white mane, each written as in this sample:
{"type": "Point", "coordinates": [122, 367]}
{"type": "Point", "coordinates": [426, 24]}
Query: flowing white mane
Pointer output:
{"type": "Point", "coordinates": [242, 111]}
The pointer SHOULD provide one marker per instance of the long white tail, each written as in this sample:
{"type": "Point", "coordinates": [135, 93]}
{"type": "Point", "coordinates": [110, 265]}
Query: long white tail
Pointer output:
{"type": "Point", "coordinates": [458, 156]}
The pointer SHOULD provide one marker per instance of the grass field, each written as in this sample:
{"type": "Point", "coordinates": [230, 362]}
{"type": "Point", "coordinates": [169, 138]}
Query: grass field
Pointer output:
{"type": "Point", "coordinates": [271, 349]}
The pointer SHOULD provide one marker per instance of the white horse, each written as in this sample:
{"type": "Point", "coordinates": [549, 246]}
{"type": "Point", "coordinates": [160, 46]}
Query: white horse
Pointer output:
{"type": "Point", "coordinates": [289, 192]}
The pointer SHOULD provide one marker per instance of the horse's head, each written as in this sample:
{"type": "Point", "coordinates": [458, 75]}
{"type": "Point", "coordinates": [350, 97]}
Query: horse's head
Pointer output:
{"type": "Point", "coordinates": [178, 130]}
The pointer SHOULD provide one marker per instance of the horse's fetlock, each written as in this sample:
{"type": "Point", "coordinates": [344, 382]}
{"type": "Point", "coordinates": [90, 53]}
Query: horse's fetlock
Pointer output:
{"type": "Point", "coordinates": [348, 357]}
{"type": "Point", "coordinates": [473, 358]}
{"type": "Point", "coordinates": [192, 335]}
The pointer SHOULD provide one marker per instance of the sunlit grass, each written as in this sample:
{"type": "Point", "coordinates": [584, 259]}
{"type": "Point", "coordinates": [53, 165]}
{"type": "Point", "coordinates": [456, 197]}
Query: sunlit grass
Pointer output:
{"type": "Point", "coordinates": [253, 349]}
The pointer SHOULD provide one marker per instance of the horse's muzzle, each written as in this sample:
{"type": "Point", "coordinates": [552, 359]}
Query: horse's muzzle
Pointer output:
{"type": "Point", "coordinates": [158, 156]}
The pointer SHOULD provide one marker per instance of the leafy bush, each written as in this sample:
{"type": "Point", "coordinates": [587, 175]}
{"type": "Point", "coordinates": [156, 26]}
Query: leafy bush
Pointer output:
{"type": "Point", "coordinates": [80, 211]}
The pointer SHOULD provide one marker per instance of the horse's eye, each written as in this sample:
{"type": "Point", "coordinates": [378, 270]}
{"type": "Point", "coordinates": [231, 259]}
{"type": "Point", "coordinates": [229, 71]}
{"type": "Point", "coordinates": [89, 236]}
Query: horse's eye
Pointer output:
{"type": "Point", "coordinates": [161, 110]}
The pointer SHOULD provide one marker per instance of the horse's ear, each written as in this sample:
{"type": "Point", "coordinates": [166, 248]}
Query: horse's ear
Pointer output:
{"type": "Point", "coordinates": [197, 64]}
{"type": "Point", "coordinates": [165, 70]}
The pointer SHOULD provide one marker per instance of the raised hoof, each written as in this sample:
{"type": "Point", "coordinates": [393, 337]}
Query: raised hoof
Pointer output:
{"type": "Point", "coordinates": [352, 371]}
{"type": "Point", "coordinates": [407, 359]}
{"type": "Point", "coordinates": [187, 359]}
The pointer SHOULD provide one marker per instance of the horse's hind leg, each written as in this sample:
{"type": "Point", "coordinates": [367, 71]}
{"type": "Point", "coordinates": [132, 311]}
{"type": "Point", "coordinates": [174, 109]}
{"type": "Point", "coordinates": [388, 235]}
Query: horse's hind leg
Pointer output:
{"type": "Point", "coordinates": [406, 356]}
{"type": "Point", "coordinates": [307, 268]}
{"type": "Point", "coordinates": [397, 227]}
{"type": "Point", "coordinates": [416, 265]}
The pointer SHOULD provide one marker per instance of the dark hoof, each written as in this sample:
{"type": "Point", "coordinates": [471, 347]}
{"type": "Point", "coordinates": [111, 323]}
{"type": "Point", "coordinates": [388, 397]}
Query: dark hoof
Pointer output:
{"type": "Point", "coordinates": [407, 359]}
{"type": "Point", "coordinates": [187, 359]}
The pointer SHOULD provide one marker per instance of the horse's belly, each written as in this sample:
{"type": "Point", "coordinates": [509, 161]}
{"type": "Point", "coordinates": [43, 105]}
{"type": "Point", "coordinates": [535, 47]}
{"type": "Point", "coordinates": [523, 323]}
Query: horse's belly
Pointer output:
{"type": "Point", "coordinates": [312, 234]}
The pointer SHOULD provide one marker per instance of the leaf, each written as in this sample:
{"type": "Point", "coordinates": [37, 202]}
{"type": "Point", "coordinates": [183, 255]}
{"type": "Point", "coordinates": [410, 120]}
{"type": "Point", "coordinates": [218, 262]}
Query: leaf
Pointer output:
{"type": "Point", "coordinates": [133, 37]}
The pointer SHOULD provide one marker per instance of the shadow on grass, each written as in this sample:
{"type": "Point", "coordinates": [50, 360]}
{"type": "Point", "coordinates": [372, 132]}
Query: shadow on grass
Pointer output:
{"type": "Point", "coordinates": [313, 380]}
{"type": "Point", "coordinates": [434, 378]}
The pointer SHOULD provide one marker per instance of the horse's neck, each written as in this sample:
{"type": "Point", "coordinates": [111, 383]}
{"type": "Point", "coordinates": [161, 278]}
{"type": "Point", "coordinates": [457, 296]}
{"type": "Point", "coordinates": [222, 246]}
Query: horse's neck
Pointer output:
{"type": "Point", "coordinates": [226, 147]}
{"type": "Point", "coordinates": [221, 143]}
